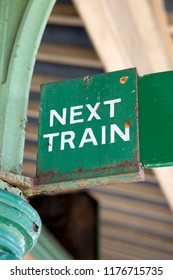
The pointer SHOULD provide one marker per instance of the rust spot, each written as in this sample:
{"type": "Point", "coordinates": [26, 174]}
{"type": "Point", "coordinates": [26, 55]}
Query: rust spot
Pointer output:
{"type": "Point", "coordinates": [46, 176]}
{"type": "Point", "coordinates": [123, 79]}
{"type": "Point", "coordinates": [135, 155]}
{"type": "Point", "coordinates": [86, 78]}
{"type": "Point", "coordinates": [127, 124]}
{"type": "Point", "coordinates": [35, 227]}
{"type": "Point", "coordinates": [79, 170]}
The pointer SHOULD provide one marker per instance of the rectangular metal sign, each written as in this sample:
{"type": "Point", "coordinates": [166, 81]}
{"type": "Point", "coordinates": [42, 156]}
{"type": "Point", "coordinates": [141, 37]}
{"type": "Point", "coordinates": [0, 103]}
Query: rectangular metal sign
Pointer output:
{"type": "Point", "coordinates": [88, 130]}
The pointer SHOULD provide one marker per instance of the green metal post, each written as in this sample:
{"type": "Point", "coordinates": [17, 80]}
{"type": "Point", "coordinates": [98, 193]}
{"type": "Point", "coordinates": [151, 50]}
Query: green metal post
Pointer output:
{"type": "Point", "coordinates": [21, 26]}
{"type": "Point", "coordinates": [20, 225]}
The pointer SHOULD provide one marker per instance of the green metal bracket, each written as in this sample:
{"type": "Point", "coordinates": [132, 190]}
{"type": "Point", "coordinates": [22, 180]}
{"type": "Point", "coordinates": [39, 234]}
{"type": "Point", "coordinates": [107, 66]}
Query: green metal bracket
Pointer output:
{"type": "Point", "coordinates": [21, 27]}
{"type": "Point", "coordinates": [155, 119]}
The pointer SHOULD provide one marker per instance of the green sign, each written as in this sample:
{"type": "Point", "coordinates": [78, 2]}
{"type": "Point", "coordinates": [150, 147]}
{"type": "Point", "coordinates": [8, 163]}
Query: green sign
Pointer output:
{"type": "Point", "coordinates": [88, 128]}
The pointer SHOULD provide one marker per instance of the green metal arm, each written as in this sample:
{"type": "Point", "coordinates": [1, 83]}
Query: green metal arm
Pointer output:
{"type": "Point", "coordinates": [21, 27]}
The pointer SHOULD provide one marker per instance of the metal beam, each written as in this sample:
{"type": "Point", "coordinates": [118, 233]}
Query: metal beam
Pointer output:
{"type": "Point", "coordinates": [126, 34]}
{"type": "Point", "coordinates": [21, 35]}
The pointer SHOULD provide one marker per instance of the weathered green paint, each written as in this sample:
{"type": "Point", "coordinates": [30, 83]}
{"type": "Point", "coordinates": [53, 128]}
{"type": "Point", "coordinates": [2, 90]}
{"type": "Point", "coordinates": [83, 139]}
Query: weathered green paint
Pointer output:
{"type": "Point", "coordinates": [155, 119]}
{"type": "Point", "coordinates": [100, 154]}
{"type": "Point", "coordinates": [21, 26]}
{"type": "Point", "coordinates": [20, 226]}
{"type": "Point", "coordinates": [32, 187]}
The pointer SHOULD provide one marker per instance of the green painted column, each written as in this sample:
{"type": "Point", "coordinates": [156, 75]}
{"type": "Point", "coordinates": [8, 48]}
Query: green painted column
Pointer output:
{"type": "Point", "coordinates": [20, 225]}
{"type": "Point", "coordinates": [22, 23]}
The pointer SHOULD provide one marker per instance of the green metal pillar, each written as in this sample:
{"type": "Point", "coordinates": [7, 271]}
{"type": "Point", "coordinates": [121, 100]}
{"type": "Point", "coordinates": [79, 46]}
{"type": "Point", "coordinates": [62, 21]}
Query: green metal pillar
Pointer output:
{"type": "Point", "coordinates": [22, 23]}
{"type": "Point", "coordinates": [20, 225]}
